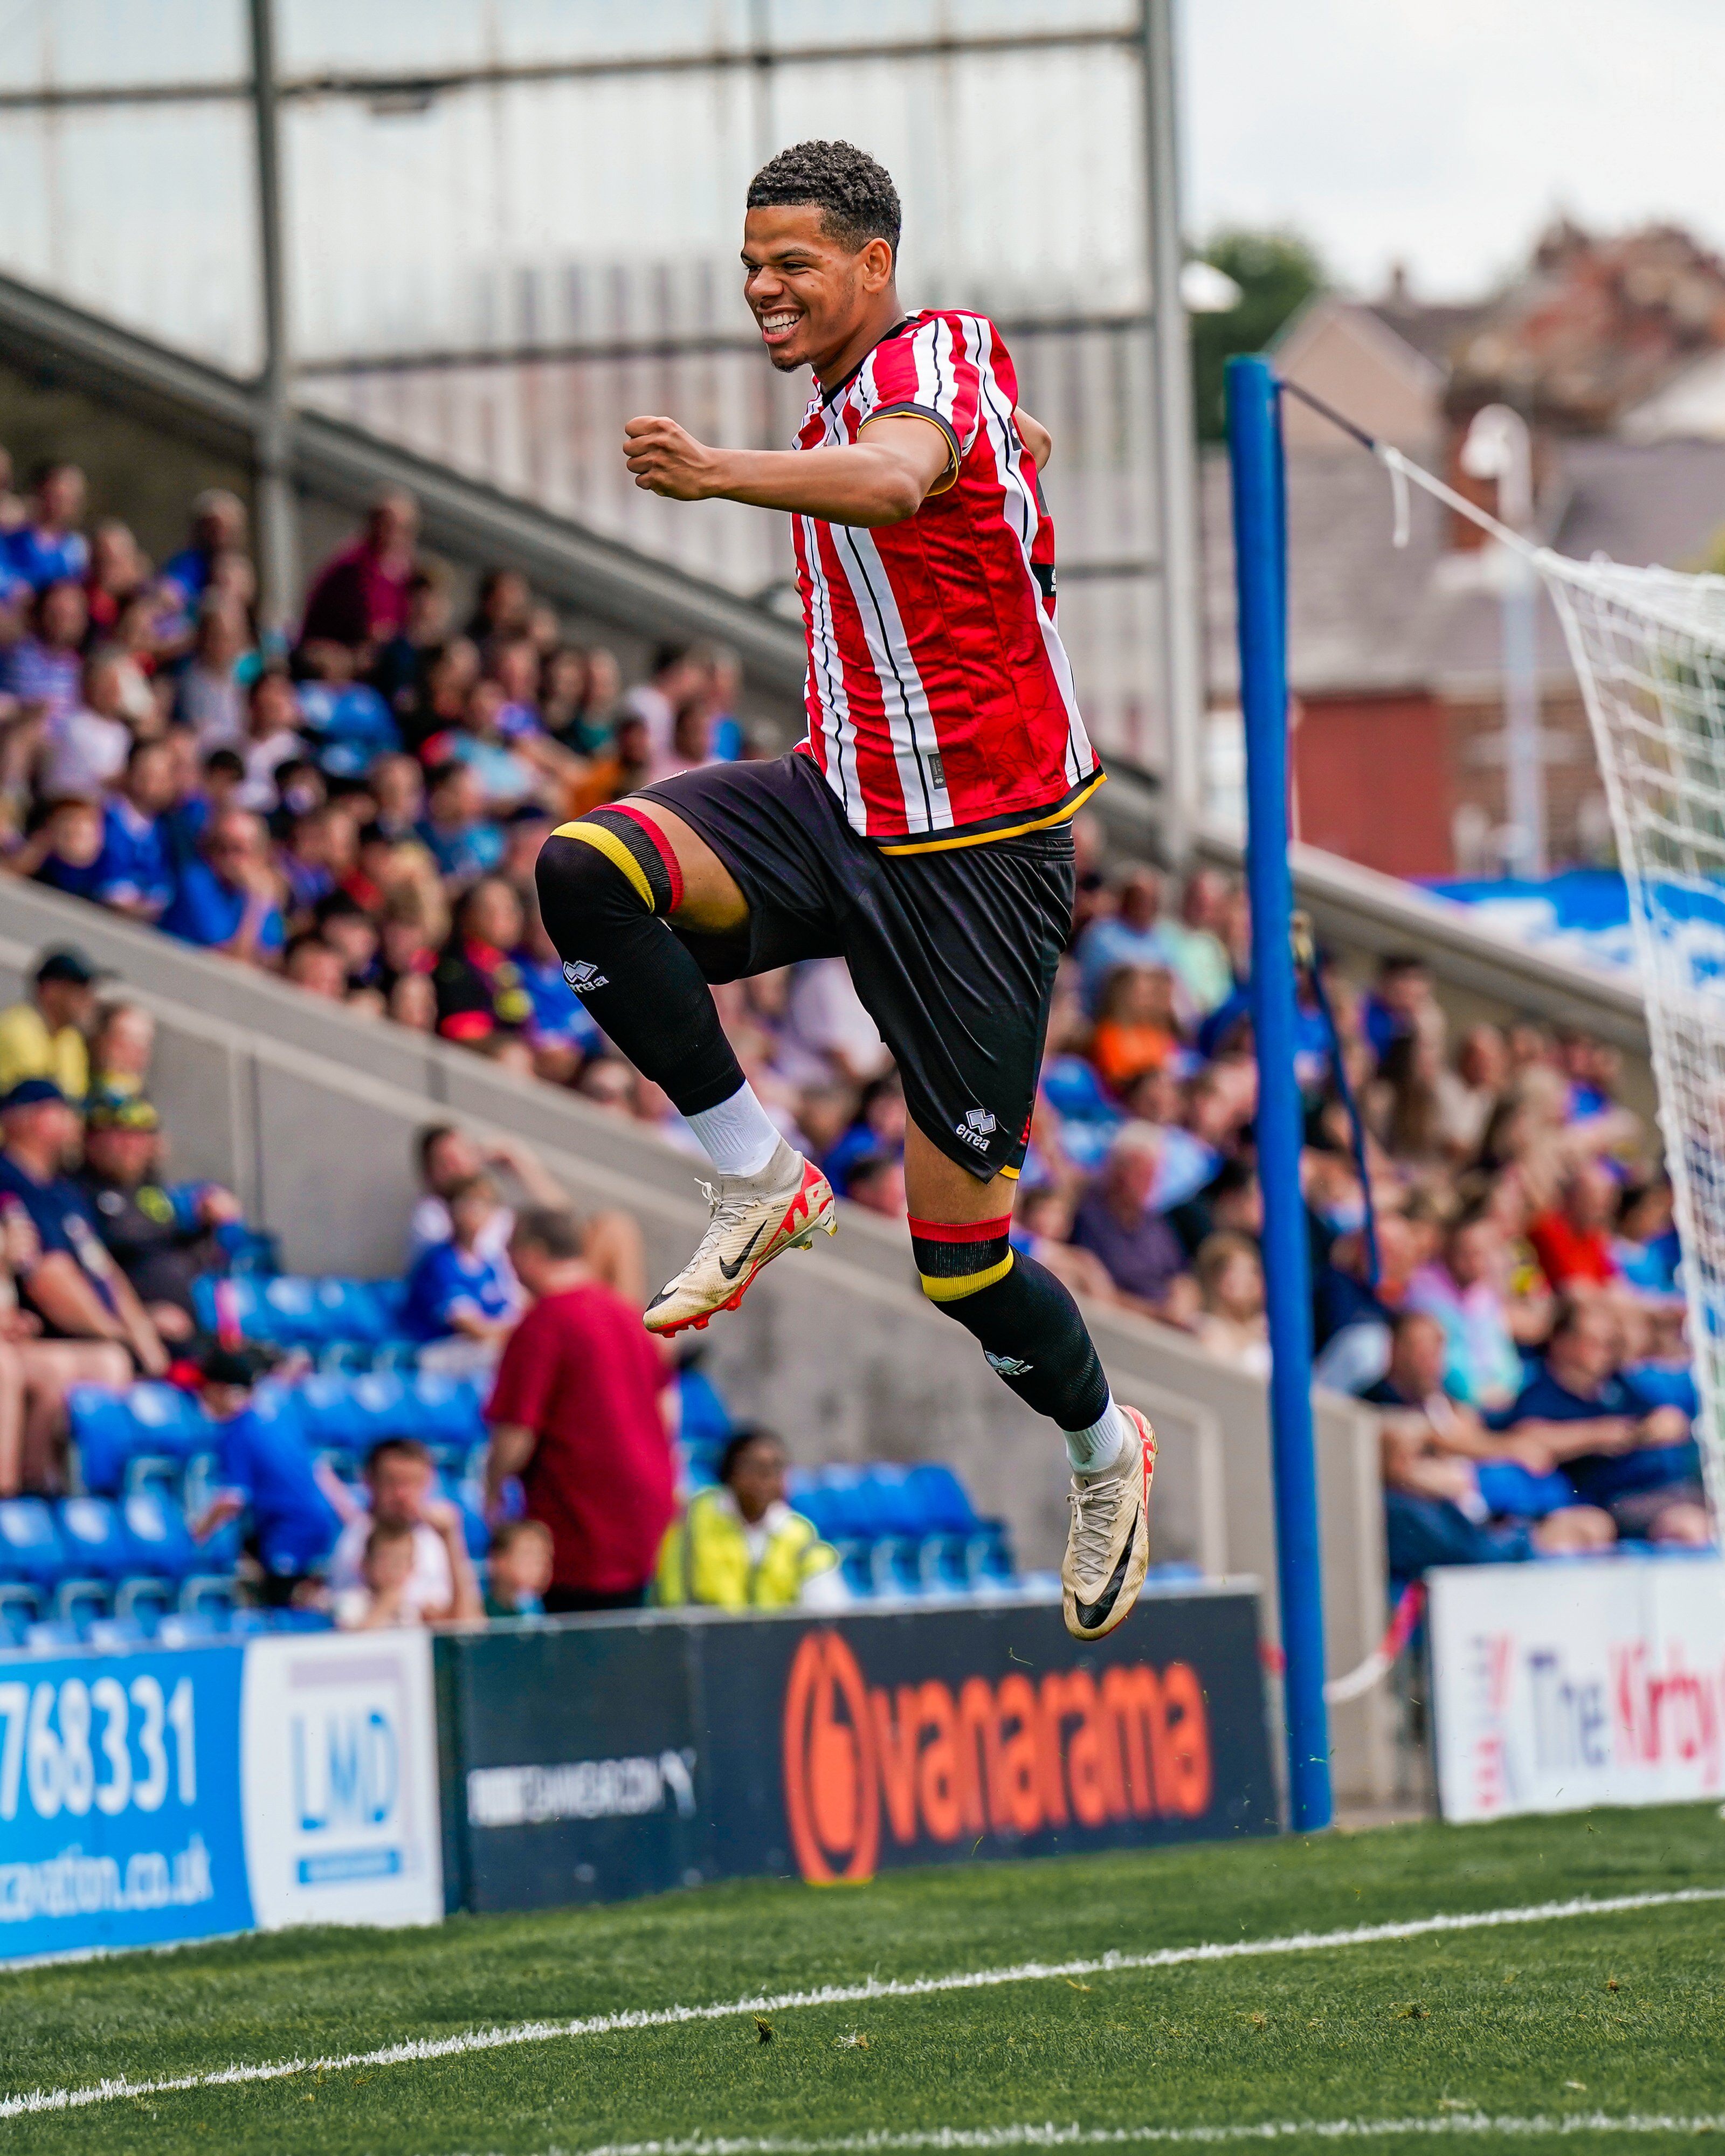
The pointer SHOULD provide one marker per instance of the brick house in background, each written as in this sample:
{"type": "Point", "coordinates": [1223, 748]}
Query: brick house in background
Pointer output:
{"type": "Point", "coordinates": [1394, 655]}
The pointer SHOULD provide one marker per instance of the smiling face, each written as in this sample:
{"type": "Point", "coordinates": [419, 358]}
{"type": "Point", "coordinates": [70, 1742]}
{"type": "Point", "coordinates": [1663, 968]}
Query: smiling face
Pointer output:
{"type": "Point", "coordinates": [814, 296]}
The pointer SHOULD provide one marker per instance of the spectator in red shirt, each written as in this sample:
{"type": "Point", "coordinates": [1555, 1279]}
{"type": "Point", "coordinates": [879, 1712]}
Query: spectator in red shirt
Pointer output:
{"type": "Point", "coordinates": [360, 597]}
{"type": "Point", "coordinates": [1573, 1240]}
{"type": "Point", "coordinates": [575, 1412]}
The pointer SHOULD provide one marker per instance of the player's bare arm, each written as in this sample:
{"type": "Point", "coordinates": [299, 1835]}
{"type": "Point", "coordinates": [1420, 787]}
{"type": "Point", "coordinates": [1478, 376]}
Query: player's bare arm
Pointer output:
{"type": "Point", "coordinates": [880, 480]}
{"type": "Point", "coordinates": [1038, 443]}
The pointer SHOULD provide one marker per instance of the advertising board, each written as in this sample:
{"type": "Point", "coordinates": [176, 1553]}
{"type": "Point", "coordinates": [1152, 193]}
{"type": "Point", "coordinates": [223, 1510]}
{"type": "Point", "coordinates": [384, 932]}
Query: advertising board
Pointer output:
{"type": "Point", "coordinates": [120, 1813]}
{"type": "Point", "coordinates": [150, 1796]}
{"type": "Point", "coordinates": [620, 1756]}
{"type": "Point", "coordinates": [1595, 1682]}
{"type": "Point", "coordinates": [340, 1780]}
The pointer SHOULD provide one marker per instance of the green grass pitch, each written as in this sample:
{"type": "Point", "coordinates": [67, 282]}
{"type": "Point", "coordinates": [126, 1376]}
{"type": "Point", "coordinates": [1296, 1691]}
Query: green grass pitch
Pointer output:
{"type": "Point", "coordinates": [1620, 2014]}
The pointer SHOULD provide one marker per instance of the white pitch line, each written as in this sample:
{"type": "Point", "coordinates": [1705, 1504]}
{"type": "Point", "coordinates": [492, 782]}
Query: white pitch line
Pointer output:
{"type": "Point", "coordinates": [1110, 2136]}
{"type": "Point", "coordinates": [845, 1995]}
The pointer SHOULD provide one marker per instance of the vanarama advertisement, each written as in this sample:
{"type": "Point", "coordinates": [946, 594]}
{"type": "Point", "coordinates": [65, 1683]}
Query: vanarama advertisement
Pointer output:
{"type": "Point", "coordinates": [879, 1769]}
{"type": "Point", "coordinates": [621, 1755]}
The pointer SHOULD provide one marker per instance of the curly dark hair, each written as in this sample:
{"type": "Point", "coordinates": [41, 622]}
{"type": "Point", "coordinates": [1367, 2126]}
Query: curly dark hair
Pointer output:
{"type": "Point", "coordinates": [856, 196]}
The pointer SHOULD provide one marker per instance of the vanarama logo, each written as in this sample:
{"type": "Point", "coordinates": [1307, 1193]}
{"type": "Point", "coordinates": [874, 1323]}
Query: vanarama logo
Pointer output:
{"type": "Point", "coordinates": [1011, 1758]}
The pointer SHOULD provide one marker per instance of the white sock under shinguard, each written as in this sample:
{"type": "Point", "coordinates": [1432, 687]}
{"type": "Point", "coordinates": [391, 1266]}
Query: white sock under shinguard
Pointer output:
{"type": "Point", "coordinates": [737, 1135]}
{"type": "Point", "coordinates": [1095, 1450]}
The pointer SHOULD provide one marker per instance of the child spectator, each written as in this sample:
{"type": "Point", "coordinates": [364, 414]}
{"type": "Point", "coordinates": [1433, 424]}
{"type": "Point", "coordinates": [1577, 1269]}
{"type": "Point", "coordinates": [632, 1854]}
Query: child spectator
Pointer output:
{"type": "Point", "coordinates": [401, 1482]}
{"type": "Point", "coordinates": [1230, 1285]}
{"type": "Point", "coordinates": [519, 1569]}
{"type": "Point", "coordinates": [741, 1546]}
{"type": "Point", "coordinates": [454, 1287]}
{"type": "Point", "coordinates": [65, 848]}
{"type": "Point", "coordinates": [382, 1597]}
{"type": "Point", "coordinates": [265, 1465]}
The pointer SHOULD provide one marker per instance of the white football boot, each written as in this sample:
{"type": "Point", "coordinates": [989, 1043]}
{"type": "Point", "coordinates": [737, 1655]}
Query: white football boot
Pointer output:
{"type": "Point", "coordinates": [754, 1217]}
{"type": "Point", "coordinates": [1108, 1547]}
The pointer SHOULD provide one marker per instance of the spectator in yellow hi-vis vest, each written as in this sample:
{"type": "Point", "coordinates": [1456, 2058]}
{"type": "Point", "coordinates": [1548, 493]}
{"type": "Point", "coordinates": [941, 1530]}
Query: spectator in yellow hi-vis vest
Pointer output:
{"type": "Point", "coordinates": [740, 1547]}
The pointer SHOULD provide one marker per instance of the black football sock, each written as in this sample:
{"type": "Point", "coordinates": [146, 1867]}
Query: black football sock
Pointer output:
{"type": "Point", "coordinates": [1028, 1326]}
{"type": "Point", "coordinates": [604, 881]}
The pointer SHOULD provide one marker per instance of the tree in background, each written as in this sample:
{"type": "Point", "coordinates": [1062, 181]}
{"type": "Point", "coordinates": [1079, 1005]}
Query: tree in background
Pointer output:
{"type": "Point", "coordinates": [1276, 272]}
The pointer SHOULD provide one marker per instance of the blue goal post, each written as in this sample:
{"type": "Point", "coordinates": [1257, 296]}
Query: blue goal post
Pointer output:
{"type": "Point", "coordinates": [1255, 451]}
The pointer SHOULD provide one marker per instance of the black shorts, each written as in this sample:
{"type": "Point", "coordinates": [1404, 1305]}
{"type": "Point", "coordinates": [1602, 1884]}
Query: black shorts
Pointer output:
{"type": "Point", "coordinates": [953, 953]}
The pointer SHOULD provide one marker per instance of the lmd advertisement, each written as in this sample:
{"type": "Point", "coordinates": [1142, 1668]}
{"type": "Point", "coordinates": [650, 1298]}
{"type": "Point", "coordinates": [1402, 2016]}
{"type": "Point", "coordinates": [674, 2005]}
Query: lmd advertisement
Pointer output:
{"type": "Point", "coordinates": [150, 1797]}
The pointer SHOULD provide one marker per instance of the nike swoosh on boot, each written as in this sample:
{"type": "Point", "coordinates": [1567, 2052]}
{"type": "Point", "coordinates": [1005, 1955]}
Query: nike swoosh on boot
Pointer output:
{"type": "Point", "coordinates": [1092, 1614]}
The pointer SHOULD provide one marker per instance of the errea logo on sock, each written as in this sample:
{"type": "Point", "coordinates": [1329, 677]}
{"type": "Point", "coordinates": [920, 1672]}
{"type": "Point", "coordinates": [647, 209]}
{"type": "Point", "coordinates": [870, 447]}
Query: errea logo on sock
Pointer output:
{"type": "Point", "coordinates": [581, 974]}
{"type": "Point", "coordinates": [1005, 1366]}
{"type": "Point", "coordinates": [977, 1127]}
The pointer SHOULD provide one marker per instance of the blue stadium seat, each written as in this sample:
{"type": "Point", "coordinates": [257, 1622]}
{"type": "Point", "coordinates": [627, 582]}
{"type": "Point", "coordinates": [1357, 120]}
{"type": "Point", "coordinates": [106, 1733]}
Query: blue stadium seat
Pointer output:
{"type": "Point", "coordinates": [144, 1600]}
{"type": "Point", "coordinates": [52, 1636]}
{"type": "Point", "coordinates": [160, 1545]}
{"type": "Point", "coordinates": [941, 1501]}
{"type": "Point", "coordinates": [80, 1601]}
{"type": "Point", "coordinates": [446, 1410]}
{"type": "Point", "coordinates": [19, 1605]}
{"type": "Point", "coordinates": [109, 1429]}
{"type": "Point", "coordinates": [208, 1591]}
{"type": "Point", "coordinates": [31, 1550]}
{"type": "Point", "coordinates": [111, 1632]}
{"type": "Point", "coordinates": [96, 1540]}
{"type": "Point", "coordinates": [288, 1309]}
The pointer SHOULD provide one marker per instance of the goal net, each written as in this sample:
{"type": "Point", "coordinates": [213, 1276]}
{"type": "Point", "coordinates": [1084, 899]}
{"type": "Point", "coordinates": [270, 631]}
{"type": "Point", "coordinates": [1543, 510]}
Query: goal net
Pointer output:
{"type": "Point", "coordinates": [1649, 646]}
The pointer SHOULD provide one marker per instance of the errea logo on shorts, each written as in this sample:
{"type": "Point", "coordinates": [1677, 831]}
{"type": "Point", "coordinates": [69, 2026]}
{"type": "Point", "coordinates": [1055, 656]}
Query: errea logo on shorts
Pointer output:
{"type": "Point", "coordinates": [581, 975]}
{"type": "Point", "coordinates": [977, 1127]}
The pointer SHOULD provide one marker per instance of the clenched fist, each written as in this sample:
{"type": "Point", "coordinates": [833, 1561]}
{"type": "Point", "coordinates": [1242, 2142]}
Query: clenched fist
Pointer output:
{"type": "Point", "coordinates": [666, 459]}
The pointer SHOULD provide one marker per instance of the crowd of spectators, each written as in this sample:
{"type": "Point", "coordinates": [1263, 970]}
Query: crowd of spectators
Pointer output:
{"type": "Point", "coordinates": [102, 1251]}
{"type": "Point", "coordinates": [358, 809]}
{"type": "Point", "coordinates": [1493, 1257]}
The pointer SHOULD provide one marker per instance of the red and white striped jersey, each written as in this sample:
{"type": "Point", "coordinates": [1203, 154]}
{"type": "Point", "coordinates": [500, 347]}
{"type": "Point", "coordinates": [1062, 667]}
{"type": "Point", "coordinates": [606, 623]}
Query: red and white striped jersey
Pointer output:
{"type": "Point", "coordinates": [941, 706]}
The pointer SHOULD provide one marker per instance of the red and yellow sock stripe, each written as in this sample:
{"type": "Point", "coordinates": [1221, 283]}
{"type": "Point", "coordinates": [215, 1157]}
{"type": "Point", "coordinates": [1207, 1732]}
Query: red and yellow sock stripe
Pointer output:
{"type": "Point", "coordinates": [957, 1259]}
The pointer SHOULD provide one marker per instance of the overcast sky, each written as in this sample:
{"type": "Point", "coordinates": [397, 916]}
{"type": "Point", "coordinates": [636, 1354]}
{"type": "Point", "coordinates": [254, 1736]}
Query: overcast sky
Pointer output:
{"type": "Point", "coordinates": [1445, 132]}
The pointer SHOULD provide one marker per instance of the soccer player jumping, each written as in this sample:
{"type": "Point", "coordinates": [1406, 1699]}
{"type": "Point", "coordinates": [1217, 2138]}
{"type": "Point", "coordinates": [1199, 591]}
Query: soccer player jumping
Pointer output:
{"type": "Point", "coordinates": [921, 831]}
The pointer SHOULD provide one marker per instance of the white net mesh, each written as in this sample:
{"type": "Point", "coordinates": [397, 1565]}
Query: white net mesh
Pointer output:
{"type": "Point", "coordinates": [1649, 646]}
